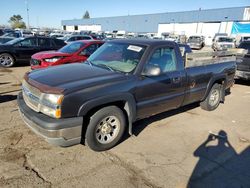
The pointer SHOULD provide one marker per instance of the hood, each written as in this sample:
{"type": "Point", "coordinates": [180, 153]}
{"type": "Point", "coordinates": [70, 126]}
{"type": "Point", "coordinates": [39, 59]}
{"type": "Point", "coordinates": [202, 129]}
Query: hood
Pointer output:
{"type": "Point", "coordinates": [49, 54]}
{"type": "Point", "coordinates": [226, 43]}
{"type": "Point", "coordinates": [71, 77]}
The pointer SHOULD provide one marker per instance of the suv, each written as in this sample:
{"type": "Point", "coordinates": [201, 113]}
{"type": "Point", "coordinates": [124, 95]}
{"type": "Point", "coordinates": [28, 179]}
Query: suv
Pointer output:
{"type": "Point", "coordinates": [223, 43]}
{"type": "Point", "coordinates": [196, 42]}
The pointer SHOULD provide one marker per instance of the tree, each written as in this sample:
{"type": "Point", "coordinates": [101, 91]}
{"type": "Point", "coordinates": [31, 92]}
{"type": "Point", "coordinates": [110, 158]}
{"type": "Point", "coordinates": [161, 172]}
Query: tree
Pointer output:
{"type": "Point", "coordinates": [86, 15]}
{"type": "Point", "coordinates": [16, 21]}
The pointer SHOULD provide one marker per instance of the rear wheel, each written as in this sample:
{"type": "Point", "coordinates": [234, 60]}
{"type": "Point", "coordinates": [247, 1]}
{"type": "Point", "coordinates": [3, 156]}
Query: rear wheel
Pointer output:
{"type": "Point", "coordinates": [105, 128]}
{"type": "Point", "coordinates": [213, 99]}
{"type": "Point", "coordinates": [6, 60]}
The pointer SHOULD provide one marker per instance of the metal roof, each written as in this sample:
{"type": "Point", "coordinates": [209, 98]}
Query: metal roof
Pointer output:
{"type": "Point", "coordinates": [149, 22]}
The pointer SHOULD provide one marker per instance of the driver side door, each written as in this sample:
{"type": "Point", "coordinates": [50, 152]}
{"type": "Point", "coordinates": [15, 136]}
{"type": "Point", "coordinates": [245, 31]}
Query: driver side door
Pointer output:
{"type": "Point", "coordinates": [26, 48]}
{"type": "Point", "coordinates": [159, 93]}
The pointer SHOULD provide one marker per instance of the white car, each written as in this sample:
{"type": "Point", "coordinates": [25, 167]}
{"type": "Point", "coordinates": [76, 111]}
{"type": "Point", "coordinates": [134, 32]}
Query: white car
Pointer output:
{"type": "Point", "coordinates": [223, 43]}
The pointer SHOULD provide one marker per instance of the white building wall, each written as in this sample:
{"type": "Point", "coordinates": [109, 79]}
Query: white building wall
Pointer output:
{"type": "Point", "coordinates": [93, 28]}
{"type": "Point", "coordinates": [70, 28]}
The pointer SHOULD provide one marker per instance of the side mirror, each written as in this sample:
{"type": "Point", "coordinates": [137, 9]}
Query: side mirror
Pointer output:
{"type": "Point", "coordinates": [151, 70]}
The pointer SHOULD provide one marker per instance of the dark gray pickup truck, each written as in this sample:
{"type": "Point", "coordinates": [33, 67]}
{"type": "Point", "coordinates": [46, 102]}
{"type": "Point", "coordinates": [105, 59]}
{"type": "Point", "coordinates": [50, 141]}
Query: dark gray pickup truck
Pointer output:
{"type": "Point", "coordinates": [123, 81]}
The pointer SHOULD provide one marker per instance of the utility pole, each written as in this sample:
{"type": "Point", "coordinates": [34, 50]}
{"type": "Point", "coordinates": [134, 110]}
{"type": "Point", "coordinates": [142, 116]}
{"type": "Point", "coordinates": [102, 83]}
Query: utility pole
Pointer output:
{"type": "Point", "coordinates": [27, 9]}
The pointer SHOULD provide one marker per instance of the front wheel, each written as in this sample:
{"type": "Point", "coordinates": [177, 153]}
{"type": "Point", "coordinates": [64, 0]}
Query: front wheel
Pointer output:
{"type": "Point", "coordinates": [105, 128]}
{"type": "Point", "coordinates": [6, 60]}
{"type": "Point", "coordinates": [213, 99]}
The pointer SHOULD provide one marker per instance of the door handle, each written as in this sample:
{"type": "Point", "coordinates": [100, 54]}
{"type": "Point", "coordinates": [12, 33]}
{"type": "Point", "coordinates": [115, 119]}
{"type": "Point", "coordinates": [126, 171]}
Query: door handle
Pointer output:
{"type": "Point", "coordinates": [176, 79]}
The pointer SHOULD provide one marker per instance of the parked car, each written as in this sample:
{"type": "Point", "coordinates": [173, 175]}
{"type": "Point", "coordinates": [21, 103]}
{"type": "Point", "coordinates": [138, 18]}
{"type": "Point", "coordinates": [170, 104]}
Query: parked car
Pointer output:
{"type": "Point", "coordinates": [72, 38]}
{"type": "Point", "coordinates": [196, 42]}
{"type": "Point", "coordinates": [10, 36]}
{"type": "Point", "coordinates": [219, 35]}
{"type": "Point", "coordinates": [243, 63]}
{"type": "Point", "coordinates": [122, 81]}
{"type": "Point", "coordinates": [241, 38]}
{"type": "Point", "coordinates": [73, 52]}
{"type": "Point", "coordinates": [21, 49]}
{"type": "Point", "coordinates": [223, 43]}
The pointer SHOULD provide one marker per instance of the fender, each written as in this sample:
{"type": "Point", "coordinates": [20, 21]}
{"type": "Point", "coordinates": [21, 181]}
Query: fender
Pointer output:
{"type": "Point", "coordinates": [214, 79]}
{"type": "Point", "coordinates": [130, 106]}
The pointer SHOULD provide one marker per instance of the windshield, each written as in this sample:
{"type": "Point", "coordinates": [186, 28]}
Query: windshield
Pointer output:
{"type": "Point", "coordinates": [117, 56]}
{"type": "Point", "coordinates": [194, 39]}
{"type": "Point", "coordinates": [225, 39]}
{"type": "Point", "coordinates": [72, 47]}
{"type": "Point", "coordinates": [14, 41]}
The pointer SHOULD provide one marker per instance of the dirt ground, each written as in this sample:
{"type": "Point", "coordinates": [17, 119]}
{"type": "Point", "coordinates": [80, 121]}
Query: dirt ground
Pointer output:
{"type": "Point", "coordinates": [172, 149]}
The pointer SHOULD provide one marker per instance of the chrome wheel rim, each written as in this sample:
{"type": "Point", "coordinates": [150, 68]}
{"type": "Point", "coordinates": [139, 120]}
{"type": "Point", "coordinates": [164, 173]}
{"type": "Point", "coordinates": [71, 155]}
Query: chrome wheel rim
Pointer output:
{"type": "Point", "coordinates": [6, 60]}
{"type": "Point", "coordinates": [107, 129]}
{"type": "Point", "coordinates": [214, 97]}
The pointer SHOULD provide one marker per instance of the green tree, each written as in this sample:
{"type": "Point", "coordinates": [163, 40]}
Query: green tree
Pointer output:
{"type": "Point", "coordinates": [16, 21]}
{"type": "Point", "coordinates": [86, 15]}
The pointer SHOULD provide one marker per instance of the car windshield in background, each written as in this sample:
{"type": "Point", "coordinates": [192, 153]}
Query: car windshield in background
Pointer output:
{"type": "Point", "coordinates": [118, 56]}
{"type": "Point", "coordinates": [225, 39]}
{"type": "Point", "coordinates": [72, 47]}
{"type": "Point", "coordinates": [194, 39]}
{"type": "Point", "coordinates": [14, 41]}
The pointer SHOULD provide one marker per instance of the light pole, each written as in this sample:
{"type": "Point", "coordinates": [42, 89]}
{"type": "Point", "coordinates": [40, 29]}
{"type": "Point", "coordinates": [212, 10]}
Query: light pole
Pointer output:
{"type": "Point", "coordinates": [226, 23]}
{"type": "Point", "coordinates": [27, 9]}
{"type": "Point", "coordinates": [173, 25]}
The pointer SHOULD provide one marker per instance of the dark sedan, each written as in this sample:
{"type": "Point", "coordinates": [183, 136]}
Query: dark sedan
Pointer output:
{"type": "Point", "coordinates": [21, 49]}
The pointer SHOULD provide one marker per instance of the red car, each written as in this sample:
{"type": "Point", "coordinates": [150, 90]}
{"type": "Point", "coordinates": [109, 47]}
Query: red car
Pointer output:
{"type": "Point", "coordinates": [77, 51]}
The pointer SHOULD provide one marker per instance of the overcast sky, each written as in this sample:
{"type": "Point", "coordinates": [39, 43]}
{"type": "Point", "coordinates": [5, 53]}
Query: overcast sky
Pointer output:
{"type": "Point", "coordinates": [50, 12]}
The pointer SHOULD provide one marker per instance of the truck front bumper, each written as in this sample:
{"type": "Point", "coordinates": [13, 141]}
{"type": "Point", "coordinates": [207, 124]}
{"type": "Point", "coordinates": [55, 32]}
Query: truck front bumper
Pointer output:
{"type": "Point", "coordinates": [61, 132]}
{"type": "Point", "coordinates": [242, 75]}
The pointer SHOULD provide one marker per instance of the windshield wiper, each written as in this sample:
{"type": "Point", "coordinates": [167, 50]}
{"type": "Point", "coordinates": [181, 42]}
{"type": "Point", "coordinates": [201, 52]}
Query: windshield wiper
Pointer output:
{"type": "Point", "coordinates": [105, 66]}
{"type": "Point", "coordinates": [89, 62]}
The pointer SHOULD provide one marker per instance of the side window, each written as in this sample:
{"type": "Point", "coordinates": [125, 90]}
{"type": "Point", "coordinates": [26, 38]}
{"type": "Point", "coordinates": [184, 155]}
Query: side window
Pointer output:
{"type": "Point", "coordinates": [79, 38]}
{"type": "Point", "coordinates": [86, 38]}
{"type": "Point", "coordinates": [28, 42]}
{"type": "Point", "coordinates": [71, 39]}
{"type": "Point", "coordinates": [58, 42]}
{"type": "Point", "coordinates": [90, 49]}
{"type": "Point", "coordinates": [44, 42]}
{"type": "Point", "coordinates": [165, 59]}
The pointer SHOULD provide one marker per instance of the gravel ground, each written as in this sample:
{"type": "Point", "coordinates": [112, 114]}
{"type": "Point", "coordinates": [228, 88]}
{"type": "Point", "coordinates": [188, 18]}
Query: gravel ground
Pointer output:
{"type": "Point", "coordinates": [172, 149]}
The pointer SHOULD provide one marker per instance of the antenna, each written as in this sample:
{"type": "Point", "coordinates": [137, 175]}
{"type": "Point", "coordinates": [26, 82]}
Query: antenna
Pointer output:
{"type": "Point", "coordinates": [27, 9]}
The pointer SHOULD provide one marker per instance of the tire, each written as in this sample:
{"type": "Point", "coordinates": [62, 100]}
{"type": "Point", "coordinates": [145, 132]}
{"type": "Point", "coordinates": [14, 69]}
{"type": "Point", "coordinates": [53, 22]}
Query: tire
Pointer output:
{"type": "Point", "coordinates": [7, 60]}
{"type": "Point", "coordinates": [213, 99]}
{"type": "Point", "coordinates": [105, 129]}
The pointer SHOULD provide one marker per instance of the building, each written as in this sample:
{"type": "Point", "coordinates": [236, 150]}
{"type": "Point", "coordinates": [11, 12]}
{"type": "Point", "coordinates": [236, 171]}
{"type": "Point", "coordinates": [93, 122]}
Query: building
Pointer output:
{"type": "Point", "coordinates": [202, 22]}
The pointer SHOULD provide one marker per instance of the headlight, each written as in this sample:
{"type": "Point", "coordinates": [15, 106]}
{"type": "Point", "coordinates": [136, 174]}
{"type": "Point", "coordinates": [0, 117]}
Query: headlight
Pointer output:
{"type": "Point", "coordinates": [52, 60]}
{"type": "Point", "coordinates": [51, 105]}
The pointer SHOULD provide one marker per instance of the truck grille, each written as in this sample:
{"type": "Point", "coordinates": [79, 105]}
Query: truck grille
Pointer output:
{"type": "Point", "coordinates": [31, 96]}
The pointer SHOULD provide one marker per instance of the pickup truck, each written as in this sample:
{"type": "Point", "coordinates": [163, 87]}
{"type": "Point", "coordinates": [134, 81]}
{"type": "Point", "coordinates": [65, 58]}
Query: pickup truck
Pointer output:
{"type": "Point", "coordinates": [243, 62]}
{"type": "Point", "coordinates": [95, 102]}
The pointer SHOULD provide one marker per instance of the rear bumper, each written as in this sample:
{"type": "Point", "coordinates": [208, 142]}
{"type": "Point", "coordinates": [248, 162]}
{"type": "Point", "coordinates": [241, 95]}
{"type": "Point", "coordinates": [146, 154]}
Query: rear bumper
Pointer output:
{"type": "Point", "coordinates": [61, 132]}
{"type": "Point", "coordinates": [242, 75]}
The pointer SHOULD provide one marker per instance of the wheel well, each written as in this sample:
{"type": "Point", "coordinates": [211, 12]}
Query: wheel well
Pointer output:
{"type": "Point", "coordinates": [14, 57]}
{"type": "Point", "coordinates": [220, 81]}
{"type": "Point", "coordinates": [119, 104]}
